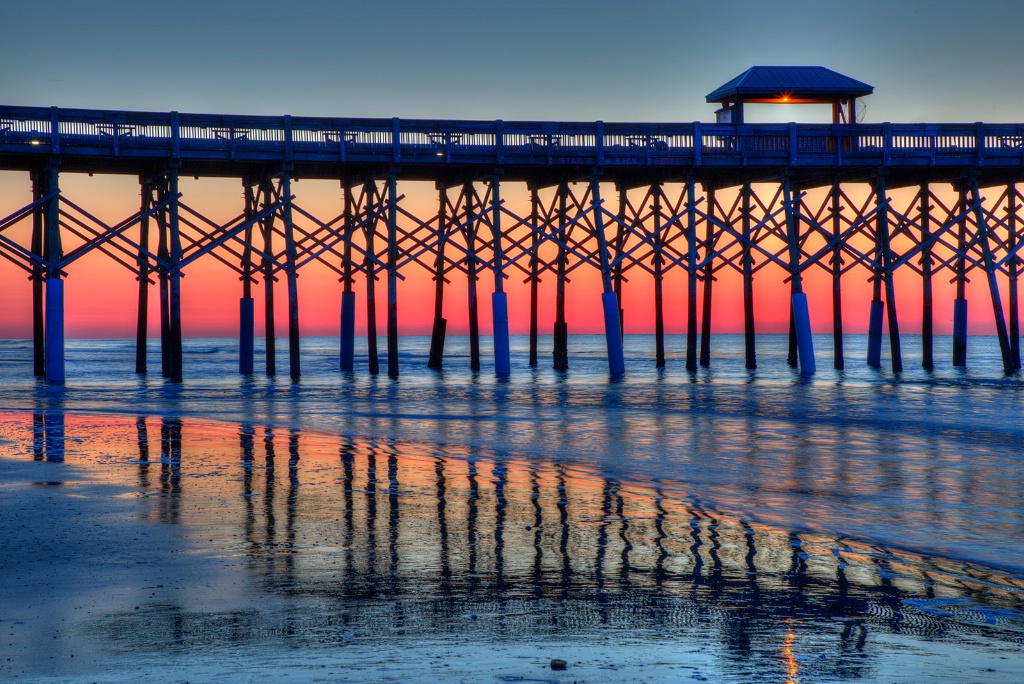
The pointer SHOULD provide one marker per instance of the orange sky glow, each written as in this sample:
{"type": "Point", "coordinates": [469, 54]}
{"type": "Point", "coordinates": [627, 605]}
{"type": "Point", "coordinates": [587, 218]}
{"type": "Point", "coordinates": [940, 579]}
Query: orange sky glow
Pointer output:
{"type": "Point", "coordinates": [101, 296]}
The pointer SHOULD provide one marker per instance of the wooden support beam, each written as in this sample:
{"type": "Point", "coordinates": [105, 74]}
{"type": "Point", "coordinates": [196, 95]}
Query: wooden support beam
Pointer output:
{"type": "Point", "coordinates": [267, 264]}
{"type": "Point", "coordinates": [887, 270]}
{"type": "Point", "coordinates": [499, 301]}
{"type": "Point", "coordinates": [658, 261]}
{"type": "Point", "coordinates": [392, 274]}
{"type": "Point", "coordinates": [960, 305]}
{"type": "Point", "coordinates": [163, 254]}
{"type": "Point", "coordinates": [534, 277]}
{"type": "Point", "coordinates": [560, 353]}
{"type": "Point", "coordinates": [469, 232]}
{"type": "Point", "coordinates": [347, 333]}
{"type": "Point", "coordinates": [246, 305]}
{"type": "Point", "coordinates": [38, 278]}
{"type": "Point", "coordinates": [174, 241]}
{"type": "Point", "coordinates": [750, 353]}
{"type": "Point", "coordinates": [838, 357]}
{"type": "Point", "coordinates": [1013, 268]}
{"type": "Point", "coordinates": [800, 321]}
{"type": "Point", "coordinates": [369, 269]}
{"type": "Point", "coordinates": [1009, 366]}
{"type": "Point", "coordinates": [294, 362]}
{"type": "Point", "coordinates": [142, 321]}
{"type": "Point", "coordinates": [928, 309]}
{"type": "Point", "coordinates": [709, 278]}
{"type": "Point", "coordinates": [609, 302]}
{"type": "Point", "coordinates": [53, 252]}
{"type": "Point", "coordinates": [691, 275]}
{"type": "Point", "coordinates": [437, 335]}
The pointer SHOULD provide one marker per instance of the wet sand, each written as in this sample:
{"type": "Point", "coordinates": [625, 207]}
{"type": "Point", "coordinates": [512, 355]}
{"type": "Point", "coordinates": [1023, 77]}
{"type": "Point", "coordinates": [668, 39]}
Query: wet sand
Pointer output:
{"type": "Point", "coordinates": [155, 549]}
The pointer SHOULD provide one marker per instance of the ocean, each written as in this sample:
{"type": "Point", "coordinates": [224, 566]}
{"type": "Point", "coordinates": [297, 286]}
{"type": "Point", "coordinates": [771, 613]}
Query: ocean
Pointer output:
{"type": "Point", "coordinates": [728, 524]}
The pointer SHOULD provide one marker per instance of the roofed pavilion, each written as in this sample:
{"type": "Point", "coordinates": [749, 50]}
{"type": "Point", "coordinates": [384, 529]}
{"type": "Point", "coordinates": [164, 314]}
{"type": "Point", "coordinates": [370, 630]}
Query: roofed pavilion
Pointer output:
{"type": "Point", "coordinates": [789, 85]}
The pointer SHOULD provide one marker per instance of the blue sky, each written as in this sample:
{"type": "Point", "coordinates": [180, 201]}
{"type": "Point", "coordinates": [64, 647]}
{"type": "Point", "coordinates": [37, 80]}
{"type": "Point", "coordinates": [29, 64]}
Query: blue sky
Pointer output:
{"type": "Point", "coordinates": [561, 59]}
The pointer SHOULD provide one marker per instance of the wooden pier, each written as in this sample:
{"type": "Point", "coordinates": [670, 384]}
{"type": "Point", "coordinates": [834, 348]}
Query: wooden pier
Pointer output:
{"type": "Point", "coordinates": [621, 198]}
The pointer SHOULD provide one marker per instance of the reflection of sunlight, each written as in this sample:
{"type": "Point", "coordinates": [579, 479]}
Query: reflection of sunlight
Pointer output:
{"type": "Point", "coordinates": [788, 657]}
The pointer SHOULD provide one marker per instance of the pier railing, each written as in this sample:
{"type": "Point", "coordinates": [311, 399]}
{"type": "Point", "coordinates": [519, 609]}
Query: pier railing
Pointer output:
{"type": "Point", "coordinates": [204, 137]}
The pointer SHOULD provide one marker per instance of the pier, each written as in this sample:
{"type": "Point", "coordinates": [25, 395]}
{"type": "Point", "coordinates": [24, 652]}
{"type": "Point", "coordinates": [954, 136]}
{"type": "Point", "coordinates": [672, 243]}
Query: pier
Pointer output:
{"type": "Point", "coordinates": [857, 200]}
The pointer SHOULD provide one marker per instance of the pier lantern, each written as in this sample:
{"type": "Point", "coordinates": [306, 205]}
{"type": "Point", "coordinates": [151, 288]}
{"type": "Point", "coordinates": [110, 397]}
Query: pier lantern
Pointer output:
{"type": "Point", "coordinates": [789, 85]}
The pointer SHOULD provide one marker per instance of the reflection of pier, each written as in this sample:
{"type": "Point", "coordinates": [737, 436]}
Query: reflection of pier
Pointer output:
{"type": "Point", "coordinates": [339, 537]}
{"type": "Point", "coordinates": [395, 540]}
{"type": "Point", "coordinates": [528, 200]}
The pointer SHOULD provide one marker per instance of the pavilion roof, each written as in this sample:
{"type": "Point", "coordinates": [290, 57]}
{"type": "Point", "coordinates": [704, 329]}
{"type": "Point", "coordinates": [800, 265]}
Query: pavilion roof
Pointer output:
{"type": "Point", "coordinates": [794, 83]}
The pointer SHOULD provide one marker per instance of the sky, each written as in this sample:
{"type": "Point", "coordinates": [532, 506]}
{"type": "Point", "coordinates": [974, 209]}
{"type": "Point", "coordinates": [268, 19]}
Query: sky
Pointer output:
{"type": "Point", "coordinates": [653, 60]}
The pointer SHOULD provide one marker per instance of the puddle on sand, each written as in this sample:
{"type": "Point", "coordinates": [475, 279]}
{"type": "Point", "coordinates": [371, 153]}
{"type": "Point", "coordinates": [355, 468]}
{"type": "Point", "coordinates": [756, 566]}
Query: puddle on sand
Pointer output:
{"type": "Point", "coordinates": [319, 551]}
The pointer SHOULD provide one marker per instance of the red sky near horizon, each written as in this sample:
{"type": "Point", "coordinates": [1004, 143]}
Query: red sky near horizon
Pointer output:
{"type": "Point", "coordinates": [101, 295]}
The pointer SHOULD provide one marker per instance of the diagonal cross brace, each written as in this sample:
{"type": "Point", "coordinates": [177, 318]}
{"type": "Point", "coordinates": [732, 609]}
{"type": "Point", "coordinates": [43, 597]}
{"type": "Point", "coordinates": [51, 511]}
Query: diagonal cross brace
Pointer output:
{"type": "Point", "coordinates": [231, 233]}
{"type": "Point", "coordinates": [113, 232]}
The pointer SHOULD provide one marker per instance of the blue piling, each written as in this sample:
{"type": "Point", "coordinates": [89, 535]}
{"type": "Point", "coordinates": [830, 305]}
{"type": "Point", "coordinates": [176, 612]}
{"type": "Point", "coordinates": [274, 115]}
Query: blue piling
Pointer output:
{"type": "Point", "coordinates": [804, 343]}
{"type": "Point", "coordinates": [613, 334]}
{"type": "Point", "coordinates": [875, 334]}
{"type": "Point", "coordinates": [348, 331]}
{"type": "Point", "coordinates": [499, 308]}
{"type": "Point", "coordinates": [960, 332]}
{"type": "Point", "coordinates": [246, 334]}
{"type": "Point", "coordinates": [55, 331]}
